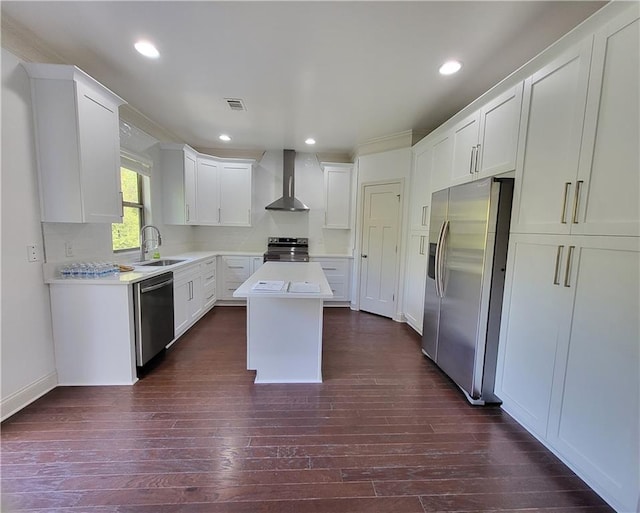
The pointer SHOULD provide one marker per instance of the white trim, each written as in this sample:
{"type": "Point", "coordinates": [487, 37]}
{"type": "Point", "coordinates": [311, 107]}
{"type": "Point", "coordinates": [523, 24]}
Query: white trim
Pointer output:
{"type": "Point", "coordinates": [26, 395]}
{"type": "Point", "coordinates": [138, 163]}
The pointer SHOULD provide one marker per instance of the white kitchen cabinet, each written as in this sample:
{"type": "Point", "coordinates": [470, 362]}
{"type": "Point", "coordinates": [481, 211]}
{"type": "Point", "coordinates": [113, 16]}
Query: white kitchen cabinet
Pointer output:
{"type": "Point", "coordinates": [594, 413]}
{"type": "Point", "coordinates": [534, 319]}
{"type": "Point", "coordinates": [209, 292]}
{"type": "Point", "coordinates": [442, 160]}
{"type": "Point", "coordinates": [235, 193]}
{"type": "Point", "coordinates": [550, 138]}
{"type": "Point", "coordinates": [178, 165]}
{"type": "Point", "coordinates": [420, 185]}
{"type": "Point", "coordinates": [235, 271]}
{"type": "Point", "coordinates": [200, 189]}
{"type": "Point", "coordinates": [187, 297]}
{"type": "Point", "coordinates": [416, 275]}
{"type": "Point", "coordinates": [569, 352]}
{"type": "Point", "coordinates": [207, 191]}
{"type": "Point", "coordinates": [485, 143]}
{"type": "Point", "coordinates": [608, 201]}
{"type": "Point", "coordinates": [337, 195]}
{"type": "Point", "coordinates": [338, 274]}
{"type": "Point", "coordinates": [77, 145]}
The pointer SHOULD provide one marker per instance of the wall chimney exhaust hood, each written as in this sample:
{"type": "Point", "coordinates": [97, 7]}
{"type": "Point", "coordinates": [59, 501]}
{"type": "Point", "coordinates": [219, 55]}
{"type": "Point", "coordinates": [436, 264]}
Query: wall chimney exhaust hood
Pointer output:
{"type": "Point", "coordinates": [288, 202]}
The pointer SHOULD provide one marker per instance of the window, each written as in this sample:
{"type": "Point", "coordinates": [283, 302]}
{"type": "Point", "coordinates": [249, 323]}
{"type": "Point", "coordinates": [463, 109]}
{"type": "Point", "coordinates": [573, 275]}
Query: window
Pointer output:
{"type": "Point", "coordinates": [126, 235]}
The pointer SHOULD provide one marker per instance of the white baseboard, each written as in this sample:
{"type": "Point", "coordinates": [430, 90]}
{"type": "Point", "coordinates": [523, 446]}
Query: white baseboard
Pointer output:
{"type": "Point", "coordinates": [26, 395]}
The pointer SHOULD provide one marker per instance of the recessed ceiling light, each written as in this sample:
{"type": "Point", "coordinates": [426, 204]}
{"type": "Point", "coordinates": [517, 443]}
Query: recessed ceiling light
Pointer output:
{"type": "Point", "coordinates": [450, 67]}
{"type": "Point", "coordinates": [224, 137]}
{"type": "Point", "coordinates": [147, 49]}
{"type": "Point", "coordinates": [310, 141]}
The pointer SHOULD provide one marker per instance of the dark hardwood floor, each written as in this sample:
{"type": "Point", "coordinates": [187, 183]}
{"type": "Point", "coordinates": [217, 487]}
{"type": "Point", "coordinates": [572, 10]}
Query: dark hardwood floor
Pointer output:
{"type": "Point", "coordinates": [385, 433]}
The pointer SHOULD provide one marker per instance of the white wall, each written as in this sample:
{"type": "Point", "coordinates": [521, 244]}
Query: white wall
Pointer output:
{"type": "Point", "coordinates": [28, 365]}
{"type": "Point", "coordinates": [267, 187]}
{"type": "Point", "coordinates": [377, 167]}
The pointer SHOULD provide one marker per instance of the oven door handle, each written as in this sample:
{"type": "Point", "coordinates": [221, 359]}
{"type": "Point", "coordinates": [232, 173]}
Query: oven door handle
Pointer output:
{"type": "Point", "coordinates": [155, 287]}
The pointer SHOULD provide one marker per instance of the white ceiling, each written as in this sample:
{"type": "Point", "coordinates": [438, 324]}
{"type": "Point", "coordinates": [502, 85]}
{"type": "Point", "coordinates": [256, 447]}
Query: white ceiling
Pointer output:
{"type": "Point", "coordinates": [341, 72]}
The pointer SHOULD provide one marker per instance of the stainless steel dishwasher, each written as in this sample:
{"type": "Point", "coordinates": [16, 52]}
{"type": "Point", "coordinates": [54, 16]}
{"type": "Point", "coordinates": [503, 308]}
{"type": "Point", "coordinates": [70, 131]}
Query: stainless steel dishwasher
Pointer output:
{"type": "Point", "coordinates": [153, 305]}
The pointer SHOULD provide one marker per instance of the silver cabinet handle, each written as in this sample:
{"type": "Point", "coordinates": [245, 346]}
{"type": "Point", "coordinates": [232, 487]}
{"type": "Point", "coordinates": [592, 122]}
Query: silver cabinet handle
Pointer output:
{"type": "Point", "coordinates": [563, 216]}
{"type": "Point", "coordinates": [477, 158]}
{"type": "Point", "coordinates": [556, 273]}
{"type": "Point", "coordinates": [567, 271]}
{"type": "Point", "coordinates": [576, 199]}
{"type": "Point", "coordinates": [121, 205]}
{"type": "Point", "coordinates": [187, 211]}
{"type": "Point", "coordinates": [329, 268]}
{"type": "Point", "coordinates": [219, 215]}
{"type": "Point", "coordinates": [422, 238]}
{"type": "Point", "coordinates": [424, 215]}
{"type": "Point", "coordinates": [473, 150]}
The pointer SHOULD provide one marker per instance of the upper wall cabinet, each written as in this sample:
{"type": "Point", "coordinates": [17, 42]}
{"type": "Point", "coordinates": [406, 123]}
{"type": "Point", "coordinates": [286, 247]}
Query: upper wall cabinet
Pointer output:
{"type": "Point", "coordinates": [550, 138]}
{"type": "Point", "coordinates": [606, 191]}
{"type": "Point", "coordinates": [337, 195]}
{"type": "Point", "coordinates": [77, 144]}
{"type": "Point", "coordinates": [485, 143]}
{"type": "Point", "coordinates": [204, 190]}
{"type": "Point", "coordinates": [442, 159]}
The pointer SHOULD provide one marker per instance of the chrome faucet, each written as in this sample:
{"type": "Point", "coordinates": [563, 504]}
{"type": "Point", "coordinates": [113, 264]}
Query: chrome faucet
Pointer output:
{"type": "Point", "coordinates": [143, 241]}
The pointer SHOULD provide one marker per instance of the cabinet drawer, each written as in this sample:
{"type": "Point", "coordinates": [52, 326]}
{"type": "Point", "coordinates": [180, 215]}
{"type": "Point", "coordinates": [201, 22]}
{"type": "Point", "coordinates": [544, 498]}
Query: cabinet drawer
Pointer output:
{"type": "Point", "coordinates": [209, 295]}
{"type": "Point", "coordinates": [208, 276]}
{"type": "Point", "coordinates": [333, 267]}
{"type": "Point", "coordinates": [237, 269]}
{"type": "Point", "coordinates": [339, 290]}
{"type": "Point", "coordinates": [186, 273]}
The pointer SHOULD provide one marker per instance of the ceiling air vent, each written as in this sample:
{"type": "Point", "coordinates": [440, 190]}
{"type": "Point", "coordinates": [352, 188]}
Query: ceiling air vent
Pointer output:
{"type": "Point", "coordinates": [235, 103]}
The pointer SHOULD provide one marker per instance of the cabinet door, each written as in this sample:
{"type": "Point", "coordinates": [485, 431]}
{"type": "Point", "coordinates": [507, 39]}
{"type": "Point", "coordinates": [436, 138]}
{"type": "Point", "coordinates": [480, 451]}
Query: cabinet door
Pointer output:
{"type": "Point", "coordinates": [442, 155]}
{"type": "Point", "coordinates": [609, 177]}
{"type": "Point", "coordinates": [421, 188]}
{"type": "Point", "coordinates": [181, 297]}
{"type": "Point", "coordinates": [498, 142]}
{"type": "Point", "coordinates": [99, 157]}
{"type": "Point", "coordinates": [550, 135]}
{"type": "Point", "coordinates": [235, 194]}
{"type": "Point", "coordinates": [533, 322]}
{"type": "Point", "coordinates": [256, 263]}
{"type": "Point", "coordinates": [207, 192]}
{"type": "Point", "coordinates": [465, 139]}
{"type": "Point", "coordinates": [196, 301]}
{"type": "Point", "coordinates": [190, 202]}
{"type": "Point", "coordinates": [337, 197]}
{"type": "Point", "coordinates": [415, 280]}
{"type": "Point", "coordinates": [595, 411]}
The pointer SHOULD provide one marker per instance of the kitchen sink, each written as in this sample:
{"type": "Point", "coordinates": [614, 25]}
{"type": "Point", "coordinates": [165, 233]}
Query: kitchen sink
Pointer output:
{"type": "Point", "coordinates": [160, 263]}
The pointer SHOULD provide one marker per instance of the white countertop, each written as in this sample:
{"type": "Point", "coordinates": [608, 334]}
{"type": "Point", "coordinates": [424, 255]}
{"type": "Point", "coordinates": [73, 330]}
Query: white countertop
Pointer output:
{"type": "Point", "coordinates": [310, 272]}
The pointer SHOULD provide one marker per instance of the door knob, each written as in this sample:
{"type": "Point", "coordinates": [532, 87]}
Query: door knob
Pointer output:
{"type": "Point", "coordinates": [363, 256]}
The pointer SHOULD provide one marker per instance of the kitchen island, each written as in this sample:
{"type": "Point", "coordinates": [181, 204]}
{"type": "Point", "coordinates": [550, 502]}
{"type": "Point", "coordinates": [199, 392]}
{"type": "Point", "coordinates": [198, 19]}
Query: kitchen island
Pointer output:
{"type": "Point", "coordinates": [284, 327]}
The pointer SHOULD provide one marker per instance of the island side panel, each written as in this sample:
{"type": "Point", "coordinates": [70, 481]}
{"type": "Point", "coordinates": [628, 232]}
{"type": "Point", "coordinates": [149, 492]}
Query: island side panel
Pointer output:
{"type": "Point", "coordinates": [284, 339]}
{"type": "Point", "coordinates": [93, 334]}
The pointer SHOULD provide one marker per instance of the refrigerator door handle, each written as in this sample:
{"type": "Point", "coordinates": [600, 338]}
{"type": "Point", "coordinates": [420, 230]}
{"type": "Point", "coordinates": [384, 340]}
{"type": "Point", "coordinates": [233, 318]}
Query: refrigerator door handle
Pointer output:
{"type": "Point", "coordinates": [437, 259]}
{"type": "Point", "coordinates": [440, 259]}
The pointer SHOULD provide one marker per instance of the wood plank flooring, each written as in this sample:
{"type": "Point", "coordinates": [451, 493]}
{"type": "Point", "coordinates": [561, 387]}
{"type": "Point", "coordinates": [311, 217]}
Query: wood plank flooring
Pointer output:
{"type": "Point", "coordinates": [386, 432]}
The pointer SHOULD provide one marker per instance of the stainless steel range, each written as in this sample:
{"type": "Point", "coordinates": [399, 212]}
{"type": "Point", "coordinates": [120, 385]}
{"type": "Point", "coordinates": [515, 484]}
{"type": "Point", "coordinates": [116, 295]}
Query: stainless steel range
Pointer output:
{"type": "Point", "coordinates": [287, 249]}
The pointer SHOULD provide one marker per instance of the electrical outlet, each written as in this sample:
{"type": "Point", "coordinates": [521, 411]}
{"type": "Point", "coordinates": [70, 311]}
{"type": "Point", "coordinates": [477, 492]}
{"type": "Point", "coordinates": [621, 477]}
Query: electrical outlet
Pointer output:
{"type": "Point", "coordinates": [68, 249]}
{"type": "Point", "coordinates": [32, 253]}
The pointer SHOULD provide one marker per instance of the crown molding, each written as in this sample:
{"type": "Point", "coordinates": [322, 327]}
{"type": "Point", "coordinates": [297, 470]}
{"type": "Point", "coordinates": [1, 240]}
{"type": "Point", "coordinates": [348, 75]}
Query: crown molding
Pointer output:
{"type": "Point", "coordinates": [390, 142]}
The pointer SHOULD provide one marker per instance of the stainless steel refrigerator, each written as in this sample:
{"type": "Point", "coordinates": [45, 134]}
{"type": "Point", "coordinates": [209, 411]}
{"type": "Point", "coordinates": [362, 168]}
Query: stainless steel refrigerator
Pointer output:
{"type": "Point", "coordinates": [468, 238]}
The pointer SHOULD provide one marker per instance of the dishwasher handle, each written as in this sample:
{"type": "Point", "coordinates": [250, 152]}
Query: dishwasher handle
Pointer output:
{"type": "Point", "coordinates": [155, 287]}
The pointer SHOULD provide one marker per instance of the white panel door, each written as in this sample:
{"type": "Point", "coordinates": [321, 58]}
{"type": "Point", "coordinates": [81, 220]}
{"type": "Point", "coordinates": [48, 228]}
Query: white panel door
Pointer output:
{"type": "Point", "coordinates": [442, 154]}
{"type": "Point", "coordinates": [595, 412]}
{"type": "Point", "coordinates": [415, 279]}
{"type": "Point", "coordinates": [609, 203]}
{"type": "Point", "coordinates": [550, 136]}
{"type": "Point", "coordinates": [465, 139]}
{"type": "Point", "coordinates": [190, 203]}
{"type": "Point", "coordinates": [207, 192]}
{"type": "Point", "coordinates": [498, 142]}
{"type": "Point", "coordinates": [100, 157]}
{"type": "Point", "coordinates": [533, 322]}
{"type": "Point", "coordinates": [235, 194]}
{"type": "Point", "coordinates": [381, 228]}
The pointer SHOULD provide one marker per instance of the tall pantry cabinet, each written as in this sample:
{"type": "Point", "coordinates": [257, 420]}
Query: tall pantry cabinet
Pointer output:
{"type": "Point", "coordinates": [568, 366]}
